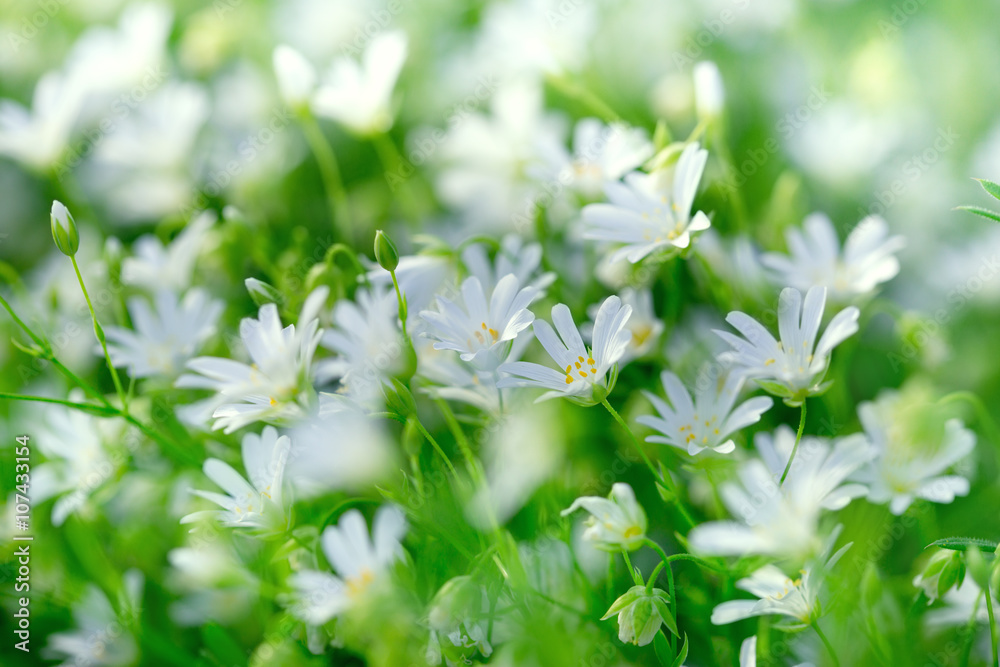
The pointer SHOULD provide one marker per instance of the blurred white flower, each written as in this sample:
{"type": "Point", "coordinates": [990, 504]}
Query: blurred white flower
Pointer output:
{"type": "Point", "coordinates": [78, 462]}
{"type": "Point", "coordinates": [457, 615]}
{"type": "Point", "coordinates": [143, 165]}
{"type": "Point", "coordinates": [521, 454]}
{"type": "Point", "coordinates": [277, 386]}
{"type": "Point", "coordinates": [644, 325]}
{"type": "Point", "coordinates": [357, 559]}
{"type": "Point", "coordinates": [155, 266]}
{"type": "Point", "coordinates": [359, 95]}
{"type": "Point", "coordinates": [778, 594]}
{"type": "Point", "coordinates": [601, 153]}
{"type": "Point", "coordinates": [650, 212]}
{"type": "Point", "coordinates": [296, 76]}
{"type": "Point", "coordinates": [616, 522]}
{"type": "Point", "coordinates": [514, 256]}
{"type": "Point", "coordinates": [816, 259]}
{"type": "Point", "coordinates": [482, 331]}
{"type": "Point", "coordinates": [782, 521]}
{"type": "Point", "coordinates": [585, 369]}
{"type": "Point", "coordinates": [709, 92]}
{"type": "Point", "coordinates": [38, 137]}
{"type": "Point", "coordinates": [904, 469]}
{"type": "Point", "coordinates": [792, 368]}
{"type": "Point", "coordinates": [368, 342]}
{"type": "Point", "coordinates": [420, 278]}
{"type": "Point", "coordinates": [706, 422]}
{"type": "Point", "coordinates": [257, 503]}
{"type": "Point", "coordinates": [213, 583]}
{"type": "Point", "coordinates": [486, 160]}
{"type": "Point", "coordinates": [102, 636]}
{"type": "Point", "coordinates": [165, 337]}
{"type": "Point", "coordinates": [340, 449]}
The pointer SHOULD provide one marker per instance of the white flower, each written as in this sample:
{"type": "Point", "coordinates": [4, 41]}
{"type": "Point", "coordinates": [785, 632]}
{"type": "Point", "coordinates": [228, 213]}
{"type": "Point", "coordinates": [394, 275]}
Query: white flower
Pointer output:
{"type": "Point", "coordinates": [706, 422]}
{"type": "Point", "coordinates": [781, 595]}
{"type": "Point", "coordinates": [102, 636]}
{"type": "Point", "coordinates": [601, 153]}
{"type": "Point", "coordinates": [793, 367]}
{"type": "Point", "coordinates": [816, 258]}
{"type": "Point", "coordinates": [156, 267]}
{"type": "Point", "coordinates": [277, 387]}
{"type": "Point", "coordinates": [339, 449]}
{"type": "Point", "coordinates": [906, 469]}
{"type": "Point", "coordinates": [368, 342]}
{"type": "Point", "coordinates": [616, 522]}
{"type": "Point", "coordinates": [296, 76]}
{"type": "Point", "coordinates": [359, 95]}
{"type": "Point", "coordinates": [38, 137]}
{"type": "Point", "coordinates": [77, 463]}
{"type": "Point", "coordinates": [253, 504]}
{"type": "Point", "coordinates": [709, 93]}
{"type": "Point", "coordinates": [581, 370]}
{"type": "Point", "coordinates": [640, 615]}
{"type": "Point", "coordinates": [782, 521]}
{"type": "Point", "coordinates": [358, 560]}
{"type": "Point", "coordinates": [166, 337]}
{"type": "Point", "coordinates": [651, 212]}
{"type": "Point", "coordinates": [644, 325]}
{"type": "Point", "coordinates": [514, 256]}
{"type": "Point", "coordinates": [480, 330]}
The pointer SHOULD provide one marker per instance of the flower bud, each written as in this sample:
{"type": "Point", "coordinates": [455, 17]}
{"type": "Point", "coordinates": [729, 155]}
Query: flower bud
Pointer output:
{"type": "Point", "coordinates": [296, 77]}
{"type": "Point", "coordinates": [943, 571]}
{"type": "Point", "coordinates": [64, 231]}
{"type": "Point", "coordinates": [385, 251]}
{"type": "Point", "coordinates": [709, 93]}
{"type": "Point", "coordinates": [641, 612]}
{"type": "Point", "coordinates": [262, 293]}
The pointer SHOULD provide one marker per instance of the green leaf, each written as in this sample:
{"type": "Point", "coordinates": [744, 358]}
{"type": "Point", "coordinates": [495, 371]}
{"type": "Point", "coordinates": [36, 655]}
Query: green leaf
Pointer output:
{"type": "Point", "coordinates": [992, 188]}
{"type": "Point", "coordinates": [978, 210]}
{"type": "Point", "coordinates": [668, 618]}
{"type": "Point", "coordinates": [222, 645]}
{"type": "Point", "coordinates": [963, 543]}
{"type": "Point", "coordinates": [682, 656]}
{"type": "Point", "coordinates": [663, 652]}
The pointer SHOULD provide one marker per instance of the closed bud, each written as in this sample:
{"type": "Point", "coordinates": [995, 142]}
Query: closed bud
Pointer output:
{"type": "Point", "coordinates": [262, 293]}
{"type": "Point", "coordinates": [385, 251]}
{"type": "Point", "coordinates": [640, 613]}
{"type": "Point", "coordinates": [64, 231]}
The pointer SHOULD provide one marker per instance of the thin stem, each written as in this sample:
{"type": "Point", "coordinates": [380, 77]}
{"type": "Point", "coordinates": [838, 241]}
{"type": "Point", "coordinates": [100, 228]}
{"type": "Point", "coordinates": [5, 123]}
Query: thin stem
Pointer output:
{"type": "Point", "coordinates": [636, 579]}
{"type": "Point", "coordinates": [652, 577]}
{"type": "Point", "coordinates": [101, 339]}
{"type": "Point", "coordinates": [460, 439]}
{"type": "Point", "coordinates": [342, 249]}
{"type": "Point", "coordinates": [402, 305]}
{"type": "Point", "coordinates": [970, 631]}
{"type": "Point", "coordinates": [576, 91]}
{"type": "Point", "coordinates": [694, 559]}
{"type": "Point", "coordinates": [83, 407]}
{"type": "Point", "coordinates": [436, 446]}
{"type": "Point", "coordinates": [993, 627]}
{"type": "Point", "coordinates": [392, 161]}
{"type": "Point", "coordinates": [795, 448]}
{"type": "Point", "coordinates": [666, 482]}
{"type": "Point", "coordinates": [336, 195]}
{"type": "Point", "coordinates": [826, 643]}
{"type": "Point", "coordinates": [670, 582]}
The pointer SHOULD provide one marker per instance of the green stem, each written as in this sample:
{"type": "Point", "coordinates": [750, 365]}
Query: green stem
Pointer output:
{"type": "Point", "coordinates": [636, 579]}
{"type": "Point", "coordinates": [670, 582]}
{"type": "Point", "coordinates": [576, 91]}
{"type": "Point", "coordinates": [652, 577]}
{"type": "Point", "coordinates": [982, 414]}
{"type": "Point", "coordinates": [347, 251]}
{"type": "Point", "coordinates": [461, 440]}
{"type": "Point", "coordinates": [970, 630]}
{"type": "Point", "coordinates": [666, 482]}
{"type": "Point", "coordinates": [795, 448]}
{"type": "Point", "coordinates": [403, 313]}
{"type": "Point", "coordinates": [336, 195]}
{"type": "Point", "coordinates": [100, 410]}
{"type": "Point", "coordinates": [826, 643]}
{"type": "Point", "coordinates": [694, 559]}
{"type": "Point", "coordinates": [993, 627]}
{"type": "Point", "coordinates": [436, 446]}
{"type": "Point", "coordinates": [392, 161]}
{"type": "Point", "coordinates": [99, 332]}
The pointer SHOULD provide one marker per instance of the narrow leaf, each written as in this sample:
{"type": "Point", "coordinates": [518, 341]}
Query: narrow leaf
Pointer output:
{"type": "Point", "coordinates": [963, 543]}
{"type": "Point", "coordinates": [992, 188]}
{"type": "Point", "coordinates": [986, 213]}
{"type": "Point", "coordinates": [682, 656]}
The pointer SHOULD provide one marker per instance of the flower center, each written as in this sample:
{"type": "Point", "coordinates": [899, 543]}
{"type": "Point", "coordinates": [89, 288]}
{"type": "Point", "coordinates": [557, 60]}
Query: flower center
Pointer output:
{"type": "Point", "coordinates": [632, 531]}
{"type": "Point", "coordinates": [487, 335]}
{"type": "Point", "coordinates": [357, 584]}
{"type": "Point", "coordinates": [584, 368]}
